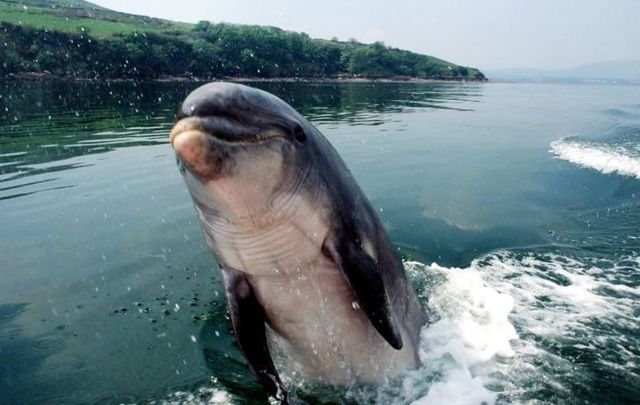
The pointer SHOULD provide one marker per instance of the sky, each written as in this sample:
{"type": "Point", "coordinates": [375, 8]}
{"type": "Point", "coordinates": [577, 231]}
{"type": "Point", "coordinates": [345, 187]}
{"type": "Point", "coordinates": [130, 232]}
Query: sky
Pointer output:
{"type": "Point", "coordinates": [488, 34]}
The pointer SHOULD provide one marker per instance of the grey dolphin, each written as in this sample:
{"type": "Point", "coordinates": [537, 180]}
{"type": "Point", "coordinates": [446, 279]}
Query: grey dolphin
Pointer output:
{"type": "Point", "coordinates": [299, 245]}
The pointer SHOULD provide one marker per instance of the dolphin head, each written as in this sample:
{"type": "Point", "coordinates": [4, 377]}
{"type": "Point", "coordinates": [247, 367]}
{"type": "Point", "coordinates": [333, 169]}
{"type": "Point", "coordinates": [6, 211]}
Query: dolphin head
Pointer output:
{"type": "Point", "coordinates": [240, 149]}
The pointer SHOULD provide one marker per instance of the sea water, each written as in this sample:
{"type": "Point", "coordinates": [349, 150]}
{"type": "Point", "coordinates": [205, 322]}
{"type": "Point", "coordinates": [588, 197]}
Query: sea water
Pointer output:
{"type": "Point", "coordinates": [515, 207]}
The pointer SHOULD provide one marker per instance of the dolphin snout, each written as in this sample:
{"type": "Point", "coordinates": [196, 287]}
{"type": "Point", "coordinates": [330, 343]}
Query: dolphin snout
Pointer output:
{"type": "Point", "coordinates": [183, 126]}
{"type": "Point", "coordinates": [192, 144]}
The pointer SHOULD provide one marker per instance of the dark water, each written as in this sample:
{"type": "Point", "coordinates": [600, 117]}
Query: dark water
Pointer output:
{"type": "Point", "coordinates": [527, 196]}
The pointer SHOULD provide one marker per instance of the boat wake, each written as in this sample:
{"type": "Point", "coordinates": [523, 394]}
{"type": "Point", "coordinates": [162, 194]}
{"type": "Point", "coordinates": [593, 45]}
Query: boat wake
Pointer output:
{"type": "Point", "coordinates": [607, 158]}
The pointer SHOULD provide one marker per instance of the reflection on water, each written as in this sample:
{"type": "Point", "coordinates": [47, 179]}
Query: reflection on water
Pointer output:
{"type": "Point", "coordinates": [108, 293]}
{"type": "Point", "coordinates": [370, 103]}
{"type": "Point", "coordinates": [43, 122]}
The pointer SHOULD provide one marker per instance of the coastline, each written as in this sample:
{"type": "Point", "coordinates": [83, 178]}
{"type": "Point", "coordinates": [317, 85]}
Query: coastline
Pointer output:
{"type": "Point", "coordinates": [35, 76]}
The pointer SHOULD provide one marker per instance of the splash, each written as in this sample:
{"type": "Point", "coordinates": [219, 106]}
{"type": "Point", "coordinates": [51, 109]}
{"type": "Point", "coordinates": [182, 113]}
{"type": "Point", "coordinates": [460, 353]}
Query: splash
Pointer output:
{"type": "Point", "coordinates": [573, 314]}
{"type": "Point", "coordinates": [201, 396]}
{"type": "Point", "coordinates": [512, 327]}
{"type": "Point", "coordinates": [460, 351]}
{"type": "Point", "coordinates": [601, 157]}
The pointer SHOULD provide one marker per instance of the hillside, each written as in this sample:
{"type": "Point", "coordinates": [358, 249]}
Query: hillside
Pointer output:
{"type": "Point", "coordinates": [75, 38]}
{"type": "Point", "coordinates": [72, 15]}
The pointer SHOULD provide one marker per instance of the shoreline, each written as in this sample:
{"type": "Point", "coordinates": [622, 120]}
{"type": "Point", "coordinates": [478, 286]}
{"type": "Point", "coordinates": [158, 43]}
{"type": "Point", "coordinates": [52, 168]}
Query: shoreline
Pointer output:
{"type": "Point", "coordinates": [35, 76]}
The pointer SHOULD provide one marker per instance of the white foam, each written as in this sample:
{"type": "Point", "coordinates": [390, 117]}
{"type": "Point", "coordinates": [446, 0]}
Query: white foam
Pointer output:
{"type": "Point", "coordinates": [471, 352]}
{"type": "Point", "coordinates": [599, 157]}
{"type": "Point", "coordinates": [459, 388]}
{"type": "Point", "coordinates": [563, 302]}
{"type": "Point", "coordinates": [556, 295]}
{"type": "Point", "coordinates": [460, 351]}
{"type": "Point", "coordinates": [201, 396]}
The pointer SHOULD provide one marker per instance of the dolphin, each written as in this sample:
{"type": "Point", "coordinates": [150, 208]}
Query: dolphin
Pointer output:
{"type": "Point", "coordinates": [308, 269]}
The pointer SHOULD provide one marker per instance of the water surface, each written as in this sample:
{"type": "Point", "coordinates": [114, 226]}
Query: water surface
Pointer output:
{"type": "Point", "coordinates": [526, 197]}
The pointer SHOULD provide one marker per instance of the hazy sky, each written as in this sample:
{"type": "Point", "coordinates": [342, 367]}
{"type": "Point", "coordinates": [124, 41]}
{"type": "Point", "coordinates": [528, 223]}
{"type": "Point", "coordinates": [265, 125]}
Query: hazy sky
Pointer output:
{"type": "Point", "coordinates": [489, 34]}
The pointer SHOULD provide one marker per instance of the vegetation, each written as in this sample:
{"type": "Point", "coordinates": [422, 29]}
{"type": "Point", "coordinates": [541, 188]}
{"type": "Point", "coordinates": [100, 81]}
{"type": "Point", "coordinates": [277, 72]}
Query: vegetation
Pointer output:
{"type": "Point", "coordinates": [74, 38]}
{"type": "Point", "coordinates": [72, 15]}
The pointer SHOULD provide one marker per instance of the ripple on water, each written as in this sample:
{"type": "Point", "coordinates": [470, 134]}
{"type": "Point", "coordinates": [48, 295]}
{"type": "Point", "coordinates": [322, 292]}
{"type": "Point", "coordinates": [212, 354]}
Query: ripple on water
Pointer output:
{"type": "Point", "coordinates": [572, 333]}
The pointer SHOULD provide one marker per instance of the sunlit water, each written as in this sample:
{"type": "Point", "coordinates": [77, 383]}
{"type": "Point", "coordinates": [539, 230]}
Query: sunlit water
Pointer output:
{"type": "Point", "coordinates": [515, 206]}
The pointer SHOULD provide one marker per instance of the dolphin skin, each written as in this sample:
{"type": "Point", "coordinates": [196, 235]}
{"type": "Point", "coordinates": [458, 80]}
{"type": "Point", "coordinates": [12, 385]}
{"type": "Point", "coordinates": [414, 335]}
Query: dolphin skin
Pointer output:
{"type": "Point", "coordinates": [308, 268]}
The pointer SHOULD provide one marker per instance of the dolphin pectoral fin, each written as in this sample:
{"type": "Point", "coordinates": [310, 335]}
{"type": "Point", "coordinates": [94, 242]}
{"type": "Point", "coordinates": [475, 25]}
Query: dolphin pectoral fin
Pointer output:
{"type": "Point", "coordinates": [364, 278]}
{"type": "Point", "coordinates": [247, 318]}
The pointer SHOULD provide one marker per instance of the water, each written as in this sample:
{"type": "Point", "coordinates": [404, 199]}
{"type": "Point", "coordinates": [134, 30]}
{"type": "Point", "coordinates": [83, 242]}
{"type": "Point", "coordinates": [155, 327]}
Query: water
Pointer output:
{"type": "Point", "coordinates": [515, 206]}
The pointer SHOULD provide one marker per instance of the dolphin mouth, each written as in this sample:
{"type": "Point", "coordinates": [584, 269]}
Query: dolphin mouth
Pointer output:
{"type": "Point", "coordinates": [182, 127]}
{"type": "Point", "coordinates": [224, 130]}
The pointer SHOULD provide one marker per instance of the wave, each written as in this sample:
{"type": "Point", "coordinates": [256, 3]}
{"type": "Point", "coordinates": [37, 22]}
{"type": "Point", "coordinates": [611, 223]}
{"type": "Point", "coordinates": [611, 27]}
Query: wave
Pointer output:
{"type": "Point", "coordinates": [469, 329]}
{"type": "Point", "coordinates": [575, 316]}
{"type": "Point", "coordinates": [201, 396]}
{"type": "Point", "coordinates": [600, 157]}
{"type": "Point", "coordinates": [511, 327]}
{"type": "Point", "coordinates": [519, 327]}
{"type": "Point", "coordinates": [462, 347]}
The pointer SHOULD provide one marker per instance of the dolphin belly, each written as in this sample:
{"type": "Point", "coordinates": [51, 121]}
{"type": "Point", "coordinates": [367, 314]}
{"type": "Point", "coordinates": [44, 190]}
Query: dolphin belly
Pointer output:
{"type": "Point", "coordinates": [323, 333]}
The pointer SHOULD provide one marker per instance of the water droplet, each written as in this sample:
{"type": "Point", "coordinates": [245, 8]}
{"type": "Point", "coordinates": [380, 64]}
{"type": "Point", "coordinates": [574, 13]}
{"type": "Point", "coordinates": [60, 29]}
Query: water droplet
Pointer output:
{"type": "Point", "coordinates": [193, 338]}
{"type": "Point", "coordinates": [355, 305]}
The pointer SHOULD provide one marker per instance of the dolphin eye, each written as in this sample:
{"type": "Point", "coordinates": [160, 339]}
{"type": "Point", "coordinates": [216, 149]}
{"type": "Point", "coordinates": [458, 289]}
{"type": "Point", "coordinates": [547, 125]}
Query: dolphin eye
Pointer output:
{"type": "Point", "coordinates": [299, 134]}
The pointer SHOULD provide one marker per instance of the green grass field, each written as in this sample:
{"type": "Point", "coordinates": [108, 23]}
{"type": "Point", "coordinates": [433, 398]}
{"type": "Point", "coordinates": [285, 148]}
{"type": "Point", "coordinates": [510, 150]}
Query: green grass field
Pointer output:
{"type": "Point", "coordinates": [102, 23]}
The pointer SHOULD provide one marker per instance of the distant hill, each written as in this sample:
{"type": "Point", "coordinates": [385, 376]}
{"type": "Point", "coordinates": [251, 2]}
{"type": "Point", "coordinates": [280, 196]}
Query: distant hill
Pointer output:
{"type": "Point", "coordinates": [627, 71]}
{"type": "Point", "coordinates": [73, 15]}
{"type": "Point", "coordinates": [75, 38]}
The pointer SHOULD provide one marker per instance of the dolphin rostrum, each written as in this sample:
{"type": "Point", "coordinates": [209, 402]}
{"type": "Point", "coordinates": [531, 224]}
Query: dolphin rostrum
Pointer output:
{"type": "Point", "coordinates": [300, 248]}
